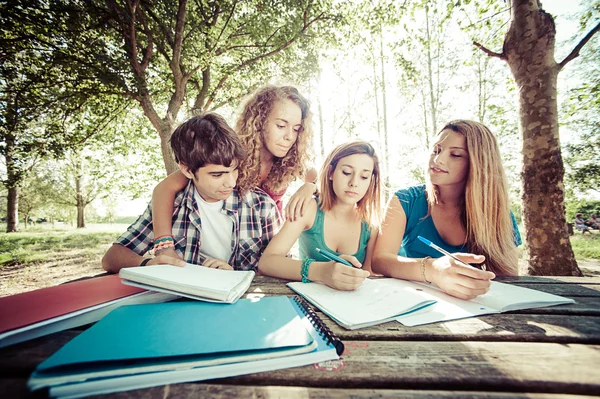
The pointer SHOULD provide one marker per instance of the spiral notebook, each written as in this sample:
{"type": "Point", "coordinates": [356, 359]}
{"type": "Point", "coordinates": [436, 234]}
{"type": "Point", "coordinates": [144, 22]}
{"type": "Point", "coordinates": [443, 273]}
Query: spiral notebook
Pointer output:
{"type": "Point", "coordinates": [192, 281]}
{"type": "Point", "coordinates": [148, 345]}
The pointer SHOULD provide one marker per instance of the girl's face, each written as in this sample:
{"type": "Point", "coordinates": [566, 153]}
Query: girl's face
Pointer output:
{"type": "Point", "coordinates": [449, 159]}
{"type": "Point", "coordinates": [352, 177]}
{"type": "Point", "coordinates": [282, 128]}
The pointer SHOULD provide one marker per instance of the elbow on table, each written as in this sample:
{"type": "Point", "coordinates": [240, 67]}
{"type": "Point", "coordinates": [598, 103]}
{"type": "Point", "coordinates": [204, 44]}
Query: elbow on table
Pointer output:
{"type": "Point", "coordinates": [108, 263]}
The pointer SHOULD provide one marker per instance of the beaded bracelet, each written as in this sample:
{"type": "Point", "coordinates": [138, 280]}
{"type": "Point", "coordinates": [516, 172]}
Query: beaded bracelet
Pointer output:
{"type": "Point", "coordinates": [166, 238]}
{"type": "Point", "coordinates": [304, 272]}
{"type": "Point", "coordinates": [423, 268]}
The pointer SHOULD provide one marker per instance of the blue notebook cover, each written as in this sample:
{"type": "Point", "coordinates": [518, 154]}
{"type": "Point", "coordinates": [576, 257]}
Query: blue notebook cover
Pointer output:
{"type": "Point", "coordinates": [187, 340]}
{"type": "Point", "coordinates": [328, 348]}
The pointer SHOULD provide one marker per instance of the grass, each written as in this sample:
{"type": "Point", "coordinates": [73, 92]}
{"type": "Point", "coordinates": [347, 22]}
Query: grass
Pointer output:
{"type": "Point", "coordinates": [43, 256]}
{"type": "Point", "coordinates": [49, 245]}
{"type": "Point", "coordinates": [586, 246]}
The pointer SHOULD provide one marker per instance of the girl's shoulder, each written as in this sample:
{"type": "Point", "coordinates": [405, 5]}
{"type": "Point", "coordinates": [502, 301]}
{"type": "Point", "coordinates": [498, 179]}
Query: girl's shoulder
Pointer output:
{"type": "Point", "coordinates": [411, 193]}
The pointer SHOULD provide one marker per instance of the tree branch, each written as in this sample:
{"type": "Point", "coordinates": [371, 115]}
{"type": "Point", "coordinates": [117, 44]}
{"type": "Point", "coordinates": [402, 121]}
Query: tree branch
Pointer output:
{"type": "Point", "coordinates": [489, 52]}
{"type": "Point", "coordinates": [250, 61]}
{"type": "Point", "coordinates": [575, 53]}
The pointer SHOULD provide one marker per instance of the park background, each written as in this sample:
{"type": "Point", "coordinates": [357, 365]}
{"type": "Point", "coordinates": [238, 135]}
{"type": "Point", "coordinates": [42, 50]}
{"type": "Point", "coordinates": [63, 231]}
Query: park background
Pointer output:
{"type": "Point", "coordinates": [87, 105]}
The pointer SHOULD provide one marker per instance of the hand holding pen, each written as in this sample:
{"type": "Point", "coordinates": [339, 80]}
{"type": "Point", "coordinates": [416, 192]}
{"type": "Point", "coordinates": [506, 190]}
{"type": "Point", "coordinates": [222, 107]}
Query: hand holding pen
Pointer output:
{"type": "Point", "coordinates": [333, 257]}
{"type": "Point", "coordinates": [340, 276]}
{"type": "Point", "coordinates": [456, 276]}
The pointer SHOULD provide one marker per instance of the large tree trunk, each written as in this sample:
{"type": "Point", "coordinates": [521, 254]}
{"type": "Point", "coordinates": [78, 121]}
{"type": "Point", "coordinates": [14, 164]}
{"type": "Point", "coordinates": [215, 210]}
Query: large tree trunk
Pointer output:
{"type": "Point", "coordinates": [529, 51]}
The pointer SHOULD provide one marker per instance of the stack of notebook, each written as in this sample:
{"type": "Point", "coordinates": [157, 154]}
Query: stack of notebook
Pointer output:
{"type": "Point", "coordinates": [142, 346]}
{"type": "Point", "coordinates": [45, 311]}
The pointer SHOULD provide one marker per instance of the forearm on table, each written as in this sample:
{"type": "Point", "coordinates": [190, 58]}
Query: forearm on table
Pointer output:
{"type": "Point", "coordinates": [395, 266]}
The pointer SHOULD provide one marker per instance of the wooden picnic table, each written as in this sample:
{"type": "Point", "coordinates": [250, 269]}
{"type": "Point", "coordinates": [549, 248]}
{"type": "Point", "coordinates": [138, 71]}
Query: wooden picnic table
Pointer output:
{"type": "Point", "coordinates": [545, 352]}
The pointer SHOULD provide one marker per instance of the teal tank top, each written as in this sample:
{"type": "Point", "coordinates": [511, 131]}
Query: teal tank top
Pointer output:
{"type": "Point", "coordinates": [314, 238]}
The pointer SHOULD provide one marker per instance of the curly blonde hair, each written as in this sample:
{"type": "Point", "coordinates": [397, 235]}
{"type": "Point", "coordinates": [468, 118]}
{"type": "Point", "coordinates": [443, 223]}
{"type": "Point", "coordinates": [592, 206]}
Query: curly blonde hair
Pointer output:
{"type": "Point", "coordinates": [251, 130]}
{"type": "Point", "coordinates": [486, 207]}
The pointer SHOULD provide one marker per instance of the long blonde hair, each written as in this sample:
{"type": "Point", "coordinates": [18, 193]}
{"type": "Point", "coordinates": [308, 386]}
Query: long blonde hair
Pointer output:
{"type": "Point", "coordinates": [251, 128]}
{"type": "Point", "coordinates": [486, 207]}
{"type": "Point", "coordinates": [369, 206]}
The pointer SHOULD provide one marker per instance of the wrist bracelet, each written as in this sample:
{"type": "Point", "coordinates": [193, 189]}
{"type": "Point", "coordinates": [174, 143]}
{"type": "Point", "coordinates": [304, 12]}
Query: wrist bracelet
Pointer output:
{"type": "Point", "coordinates": [423, 268]}
{"type": "Point", "coordinates": [145, 261]}
{"type": "Point", "coordinates": [304, 272]}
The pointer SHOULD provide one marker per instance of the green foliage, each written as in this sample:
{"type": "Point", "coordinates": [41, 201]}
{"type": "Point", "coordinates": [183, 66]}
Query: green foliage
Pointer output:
{"type": "Point", "coordinates": [580, 114]}
{"type": "Point", "coordinates": [586, 247]}
{"type": "Point", "coordinates": [586, 207]}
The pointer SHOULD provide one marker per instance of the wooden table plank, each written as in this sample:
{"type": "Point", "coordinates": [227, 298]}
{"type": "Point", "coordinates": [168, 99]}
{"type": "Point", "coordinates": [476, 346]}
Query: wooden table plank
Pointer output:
{"type": "Point", "coordinates": [480, 366]}
{"type": "Point", "coordinates": [492, 328]}
{"type": "Point", "coordinates": [15, 388]}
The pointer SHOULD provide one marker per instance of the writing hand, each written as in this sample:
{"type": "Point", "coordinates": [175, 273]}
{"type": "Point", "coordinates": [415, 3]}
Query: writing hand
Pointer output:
{"type": "Point", "coordinates": [461, 281]}
{"type": "Point", "coordinates": [341, 277]}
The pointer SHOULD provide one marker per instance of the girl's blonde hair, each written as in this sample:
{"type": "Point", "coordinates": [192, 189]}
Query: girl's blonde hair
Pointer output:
{"type": "Point", "coordinates": [486, 207]}
{"type": "Point", "coordinates": [369, 206]}
{"type": "Point", "coordinates": [251, 128]}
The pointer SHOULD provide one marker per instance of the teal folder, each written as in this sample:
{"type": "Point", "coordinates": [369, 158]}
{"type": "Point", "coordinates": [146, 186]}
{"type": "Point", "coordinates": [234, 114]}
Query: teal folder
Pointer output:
{"type": "Point", "coordinates": [147, 345]}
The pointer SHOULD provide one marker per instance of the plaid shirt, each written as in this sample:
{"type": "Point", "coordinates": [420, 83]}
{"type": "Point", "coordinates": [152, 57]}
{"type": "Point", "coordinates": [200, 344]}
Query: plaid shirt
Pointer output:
{"type": "Point", "coordinates": [254, 218]}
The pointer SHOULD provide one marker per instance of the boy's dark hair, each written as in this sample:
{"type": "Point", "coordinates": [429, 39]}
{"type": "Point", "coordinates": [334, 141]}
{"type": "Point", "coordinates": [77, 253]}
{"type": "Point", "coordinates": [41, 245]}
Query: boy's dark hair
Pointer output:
{"type": "Point", "coordinates": [206, 139]}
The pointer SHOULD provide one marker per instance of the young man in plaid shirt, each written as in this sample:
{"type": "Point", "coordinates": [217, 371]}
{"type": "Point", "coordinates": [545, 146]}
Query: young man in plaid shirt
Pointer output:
{"type": "Point", "coordinates": [213, 224]}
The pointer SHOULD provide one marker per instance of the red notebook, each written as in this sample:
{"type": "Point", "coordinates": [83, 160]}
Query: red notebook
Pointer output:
{"type": "Point", "coordinates": [47, 310]}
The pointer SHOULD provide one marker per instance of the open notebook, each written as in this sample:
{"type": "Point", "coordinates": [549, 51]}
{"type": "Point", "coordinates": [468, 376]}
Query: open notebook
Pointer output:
{"type": "Point", "coordinates": [375, 301]}
{"type": "Point", "coordinates": [195, 282]}
{"type": "Point", "coordinates": [148, 345]}
{"type": "Point", "coordinates": [500, 298]}
{"type": "Point", "coordinates": [45, 311]}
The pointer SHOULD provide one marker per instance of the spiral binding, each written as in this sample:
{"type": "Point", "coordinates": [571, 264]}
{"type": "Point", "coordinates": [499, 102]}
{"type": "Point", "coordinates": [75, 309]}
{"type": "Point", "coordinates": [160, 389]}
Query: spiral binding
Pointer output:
{"type": "Point", "coordinates": [320, 327]}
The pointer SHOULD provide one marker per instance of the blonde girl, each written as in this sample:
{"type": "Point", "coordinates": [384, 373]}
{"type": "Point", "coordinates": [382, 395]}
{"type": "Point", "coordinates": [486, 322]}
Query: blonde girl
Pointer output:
{"type": "Point", "coordinates": [343, 221]}
{"type": "Point", "coordinates": [463, 208]}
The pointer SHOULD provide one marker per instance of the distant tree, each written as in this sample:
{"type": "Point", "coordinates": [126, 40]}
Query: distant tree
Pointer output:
{"type": "Point", "coordinates": [529, 51]}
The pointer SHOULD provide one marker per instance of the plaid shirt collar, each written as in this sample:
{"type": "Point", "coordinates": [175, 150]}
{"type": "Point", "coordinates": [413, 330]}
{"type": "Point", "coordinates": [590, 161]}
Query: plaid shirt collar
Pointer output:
{"type": "Point", "coordinates": [230, 205]}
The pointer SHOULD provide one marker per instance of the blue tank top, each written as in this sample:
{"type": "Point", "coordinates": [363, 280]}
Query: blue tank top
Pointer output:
{"type": "Point", "coordinates": [314, 238]}
{"type": "Point", "coordinates": [414, 203]}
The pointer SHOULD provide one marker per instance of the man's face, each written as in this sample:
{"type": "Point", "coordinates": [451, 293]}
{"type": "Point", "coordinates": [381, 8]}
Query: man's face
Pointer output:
{"type": "Point", "coordinates": [213, 182]}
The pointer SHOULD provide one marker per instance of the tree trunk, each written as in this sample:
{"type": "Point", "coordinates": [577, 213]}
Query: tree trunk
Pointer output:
{"type": "Point", "coordinates": [12, 217]}
{"type": "Point", "coordinates": [165, 128]}
{"type": "Point", "coordinates": [529, 51]}
{"type": "Point", "coordinates": [386, 143]}
{"type": "Point", "coordinates": [12, 184]}
{"type": "Point", "coordinates": [80, 202]}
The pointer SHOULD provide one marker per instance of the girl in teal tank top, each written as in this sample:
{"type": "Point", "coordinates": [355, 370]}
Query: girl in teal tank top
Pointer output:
{"type": "Point", "coordinates": [342, 221]}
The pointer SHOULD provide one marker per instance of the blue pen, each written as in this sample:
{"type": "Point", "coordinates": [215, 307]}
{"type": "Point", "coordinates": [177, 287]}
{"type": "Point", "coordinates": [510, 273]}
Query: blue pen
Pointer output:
{"type": "Point", "coordinates": [443, 251]}
{"type": "Point", "coordinates": [334, 257]}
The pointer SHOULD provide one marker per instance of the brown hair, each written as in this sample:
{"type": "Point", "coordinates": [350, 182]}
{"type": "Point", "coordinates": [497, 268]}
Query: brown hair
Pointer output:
{"type": "Point", "coordinates": [486, 207]}
{"type": "Point", "coordinates": [206, 139]}
{"type": "Point", "coordinates": [251, 130]}
{"type": "Point", "coordinates": [369, 206]}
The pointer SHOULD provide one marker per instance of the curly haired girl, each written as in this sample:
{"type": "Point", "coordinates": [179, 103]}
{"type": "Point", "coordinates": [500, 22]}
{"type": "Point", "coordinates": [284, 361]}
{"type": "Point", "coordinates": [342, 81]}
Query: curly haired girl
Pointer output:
{"type": "Point", "coordinates": [275, 127]}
